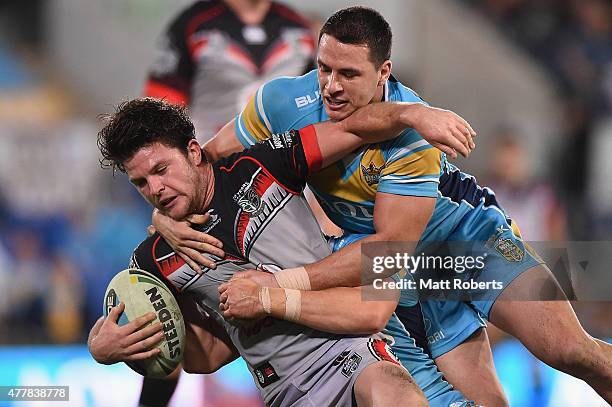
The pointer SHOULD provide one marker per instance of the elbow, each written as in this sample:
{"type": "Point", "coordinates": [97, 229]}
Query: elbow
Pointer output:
{"type": "Point", "coordinates": [195, 368]}
{"type": "Point", "coordinates": [378, 323]}
{"type": "Point", "coordinates": [377, 318]}
{"type": "Point", "coordinates": [371, 323]}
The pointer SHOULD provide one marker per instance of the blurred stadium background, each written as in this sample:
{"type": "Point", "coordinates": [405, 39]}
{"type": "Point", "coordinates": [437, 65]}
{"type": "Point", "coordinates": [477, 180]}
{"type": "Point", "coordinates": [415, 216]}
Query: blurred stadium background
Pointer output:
{"type": "Point", "coordinates": [534, 77]}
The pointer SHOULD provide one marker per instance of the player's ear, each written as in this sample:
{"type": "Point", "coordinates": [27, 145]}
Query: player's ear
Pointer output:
{"type": "Point", "coordinates": [194, 152]}
{"type": "Point", "coordinates": [384, 72]}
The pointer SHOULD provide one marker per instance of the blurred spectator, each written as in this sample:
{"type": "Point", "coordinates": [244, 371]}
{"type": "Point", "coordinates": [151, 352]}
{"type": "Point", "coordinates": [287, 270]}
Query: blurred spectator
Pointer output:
{"type": "Point", "coordinates": [532, 203]}
{"type": "Point", "coordinates": [215, 54]}
{"type": "Point", "coordinates": [63, 302]}
{"type": "Point", "coordinates": [28, 286]}
{"type": "Point", "coordinates": [573, 40]}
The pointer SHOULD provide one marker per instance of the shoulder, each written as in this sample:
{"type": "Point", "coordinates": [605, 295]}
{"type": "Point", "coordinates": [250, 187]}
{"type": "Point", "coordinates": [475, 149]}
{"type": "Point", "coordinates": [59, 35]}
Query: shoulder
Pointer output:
{"type": "Point", "coordinates": [285, 98]}
{"type": "Point", "coordinates": [399, 92]}
{"type": "Point", "coordinates": [287, 88]}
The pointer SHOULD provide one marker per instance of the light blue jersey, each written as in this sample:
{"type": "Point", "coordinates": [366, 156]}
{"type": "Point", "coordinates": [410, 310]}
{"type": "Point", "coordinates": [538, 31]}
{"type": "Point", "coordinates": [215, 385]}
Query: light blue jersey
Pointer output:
{"type": "Point", "coordinates": [409, 166]}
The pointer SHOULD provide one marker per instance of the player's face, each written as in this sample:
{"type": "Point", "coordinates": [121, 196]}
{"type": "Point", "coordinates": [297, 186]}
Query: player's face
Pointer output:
{"type": "Point", "coordinates": [167, 179]}
{"type": "Point", "coordinates": [348, 79]}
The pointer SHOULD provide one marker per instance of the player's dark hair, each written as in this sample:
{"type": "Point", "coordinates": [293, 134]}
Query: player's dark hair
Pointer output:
{"type": "Point", "coordinates": [360, 25]}
{"type": "Point", "coordinates": [138, 123]}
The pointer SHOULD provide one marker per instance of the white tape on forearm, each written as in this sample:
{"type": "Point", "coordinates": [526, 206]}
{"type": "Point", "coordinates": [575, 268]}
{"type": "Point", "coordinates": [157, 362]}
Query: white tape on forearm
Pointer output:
{"type": "Point", "coordinates": [264, 297]}
{"type": "Point", "coordinates": [293, 305]}
{"type": "Point", "coordinates": [296, 278]}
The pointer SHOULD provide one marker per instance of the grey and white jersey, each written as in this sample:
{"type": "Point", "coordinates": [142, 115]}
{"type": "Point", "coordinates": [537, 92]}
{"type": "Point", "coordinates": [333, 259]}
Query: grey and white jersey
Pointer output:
{"type": "Point", "coordinates": [262, 219]}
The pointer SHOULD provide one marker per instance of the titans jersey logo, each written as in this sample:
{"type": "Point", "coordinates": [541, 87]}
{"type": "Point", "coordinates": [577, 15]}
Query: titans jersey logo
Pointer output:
{"type": "Point", "coordinates": [371, 173]}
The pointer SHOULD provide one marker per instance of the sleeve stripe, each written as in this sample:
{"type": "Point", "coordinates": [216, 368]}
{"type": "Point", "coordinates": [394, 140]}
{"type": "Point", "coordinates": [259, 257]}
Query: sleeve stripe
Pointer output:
{"type": "Point", "coordinates": [310, 144]}
{"type": "Point", "coordinates": [242, 136]}
{"type": "Point", "coordinates": [260, 108]}
{"type": "Point", "coordinates": [407, 150]}
{"type": "Point", "coordinates": [400, 180]}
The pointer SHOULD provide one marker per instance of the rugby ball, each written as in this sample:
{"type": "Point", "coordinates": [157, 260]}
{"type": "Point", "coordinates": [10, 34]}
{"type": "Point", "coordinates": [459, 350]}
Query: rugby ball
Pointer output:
{"type": "Point", "coordinates": [143, 292]}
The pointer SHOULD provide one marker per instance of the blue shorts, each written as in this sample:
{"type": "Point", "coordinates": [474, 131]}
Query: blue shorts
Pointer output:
{"type": "Point", "coordinates": [438, 391]}
{"type": "Point", "coordinates": [449, 323]}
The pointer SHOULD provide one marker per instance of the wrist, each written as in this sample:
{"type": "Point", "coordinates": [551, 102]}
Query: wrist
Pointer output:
{"type": "Point", "coordinates": [281, 303]}
{"type": "Point", "coordinates": [296, 278]}
{"type": "Point", "coordinates": [410, 114]}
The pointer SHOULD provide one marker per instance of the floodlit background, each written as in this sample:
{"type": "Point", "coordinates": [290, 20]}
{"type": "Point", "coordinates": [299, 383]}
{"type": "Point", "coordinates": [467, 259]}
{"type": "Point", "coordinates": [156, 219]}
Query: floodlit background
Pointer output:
{"type": "Point", "coordinates": [534, 77]}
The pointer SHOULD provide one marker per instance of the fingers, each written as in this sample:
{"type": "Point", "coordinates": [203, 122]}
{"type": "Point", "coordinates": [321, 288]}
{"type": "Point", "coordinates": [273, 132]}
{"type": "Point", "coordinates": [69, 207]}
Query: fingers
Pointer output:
{"type": "Point", "coordinates": [456, 141]}
{"type": "Point", "coordinates": [96, 327]}
{"type": "Point", "coordinates": [148, 332]}
{"type": "Point", "coordinates": [143, 355]}
{"type": "Point", "coordinates": [468, 135]}
{"type": "Point", "coordinates": [192, 238]}
{"type": "Point", "coordinates": [463, 145]}
{"type": "Point", "coordinates": [223, 307]}
{"type": "Point", "coordinates": [223, 297]}
{"type": "Point", "coordinates": [196, 260]}
{"type": "Point", "coordinates": [115, 312]}
{"type": "Point", "coordinates": [145, 344]}
{"type": "Point", "coordinates": [223, 287]}
{"type": "Point", "coordinates": [465, 128]}
{"type": "Point", "coordinates": [448, 150]}
{"type": "Point", "coordinates": [208, 248]}
{"type": "Point", "coordinates": [136, 324]}
{"type": "Point", "coordinates": [197, 219]}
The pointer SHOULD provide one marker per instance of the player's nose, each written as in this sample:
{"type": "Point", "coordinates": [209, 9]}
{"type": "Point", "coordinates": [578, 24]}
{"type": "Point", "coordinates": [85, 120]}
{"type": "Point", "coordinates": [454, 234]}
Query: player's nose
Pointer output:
{"type": "Point", "coordinates": [333, 85]}
{"type": "Point", "coordinates": [156, 185]}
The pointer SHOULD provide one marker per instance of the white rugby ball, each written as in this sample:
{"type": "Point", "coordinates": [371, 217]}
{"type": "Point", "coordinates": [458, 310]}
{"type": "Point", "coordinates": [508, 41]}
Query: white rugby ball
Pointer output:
{"type": "Point", "coordinates": [142, 292]}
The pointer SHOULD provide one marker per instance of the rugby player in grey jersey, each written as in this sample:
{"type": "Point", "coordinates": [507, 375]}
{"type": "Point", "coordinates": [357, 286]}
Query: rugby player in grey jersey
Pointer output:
{"type": "Point", "coordinates": [257, 212]}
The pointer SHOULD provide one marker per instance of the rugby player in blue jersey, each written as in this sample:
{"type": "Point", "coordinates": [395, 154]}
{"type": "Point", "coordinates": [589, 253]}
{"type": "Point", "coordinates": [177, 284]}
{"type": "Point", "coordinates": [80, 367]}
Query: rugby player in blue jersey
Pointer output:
{"type": "Point", "coordinates": [419, 197]}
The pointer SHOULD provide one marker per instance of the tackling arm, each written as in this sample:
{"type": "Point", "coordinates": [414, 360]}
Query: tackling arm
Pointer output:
{"type": "Point", "coordinates": [396, 218]}
{"type": "Point", "coordinates": [341, 310]}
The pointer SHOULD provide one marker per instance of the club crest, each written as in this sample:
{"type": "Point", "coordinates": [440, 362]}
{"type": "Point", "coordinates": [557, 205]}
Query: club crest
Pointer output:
{"type": "Point", "coordinates": [248, 200]}
{"type": "Point", "coordinates": [371, 173]}
{"type": "Point", "coordinates": [510, 250]}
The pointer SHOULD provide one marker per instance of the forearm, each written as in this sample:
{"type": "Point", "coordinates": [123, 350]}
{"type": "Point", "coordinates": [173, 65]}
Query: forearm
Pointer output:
{"type": "Point", "coordinates": [377, 122]}
{"type": "Point", "coordinates": [340, 310]}
{"type": "Point", "coordinates": [223, 144]}
{"type": "Point", "coordinates": [396, 219]}
{"type": "Point", "coordinates": [204, 352]}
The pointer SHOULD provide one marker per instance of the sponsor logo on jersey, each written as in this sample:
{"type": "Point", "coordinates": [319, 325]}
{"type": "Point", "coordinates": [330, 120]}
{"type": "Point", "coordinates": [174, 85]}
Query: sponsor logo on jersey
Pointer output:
{"type": "Point", "coordinates": [266, 375]}
{"type": "Point", "coordinates": [281, 140]}
{"type": "Point", "coordinates": [506, 246]}
{"type": "Point", "coordinates": [432, 337]}
{"type": "Point", "coordinates": [341, 358]}
{"type": "Point", "coordinates": [212, 221]}
{"type": "Point", "coordinates": [349, 209]}
{"type": "Point", "coordinates": [307, 100]}
{"type": "Point", "coordinates": [371, 173]}
{"type": "Point", "coordinates": [509, 249]}
{"type": "Point", "coordinates": [351, 364]}
{"type": "Point", "coordinates": [248, 199]}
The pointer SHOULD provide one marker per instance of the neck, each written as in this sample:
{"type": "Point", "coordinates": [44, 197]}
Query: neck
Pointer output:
{"type": "Point", "coordinates": [379, 94]}
{"type": "Point", "coordinates": [208, 178]}
{"type": "Point", "coordinates": [250, 12]}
